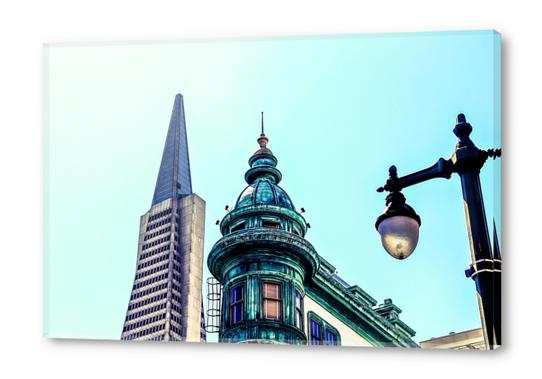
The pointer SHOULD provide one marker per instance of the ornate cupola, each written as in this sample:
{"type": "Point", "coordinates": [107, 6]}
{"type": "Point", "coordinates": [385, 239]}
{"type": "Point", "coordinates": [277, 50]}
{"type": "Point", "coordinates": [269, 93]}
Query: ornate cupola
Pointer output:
{"type": "Point", "coordinates": [262, 260]}
{"type": "Point", "coordinates": [263, 202]}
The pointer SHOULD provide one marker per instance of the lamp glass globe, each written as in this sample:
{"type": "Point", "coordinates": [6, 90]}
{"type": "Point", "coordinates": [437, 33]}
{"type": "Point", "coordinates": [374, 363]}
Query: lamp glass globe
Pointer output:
{"type": "Point", "coordinates": [399, 235]}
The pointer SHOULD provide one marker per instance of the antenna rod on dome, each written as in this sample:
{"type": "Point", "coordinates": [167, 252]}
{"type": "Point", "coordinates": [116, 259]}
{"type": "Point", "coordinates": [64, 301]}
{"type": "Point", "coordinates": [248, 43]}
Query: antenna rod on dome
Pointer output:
{"type": "Point", "coordinates": [263, 134]}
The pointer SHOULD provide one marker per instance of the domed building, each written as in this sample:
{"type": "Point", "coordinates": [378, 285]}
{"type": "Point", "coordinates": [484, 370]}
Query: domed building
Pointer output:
{"type": "Point", "coordinates": [276, 288]}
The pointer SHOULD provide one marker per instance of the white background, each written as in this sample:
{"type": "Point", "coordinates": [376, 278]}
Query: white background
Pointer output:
{"type": "Point", "coordinates": [26, 25]}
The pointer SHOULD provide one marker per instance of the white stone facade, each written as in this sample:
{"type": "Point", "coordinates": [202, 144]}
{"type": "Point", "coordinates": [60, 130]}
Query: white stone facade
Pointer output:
{"type": "Point", "coordinates": [166, 299]}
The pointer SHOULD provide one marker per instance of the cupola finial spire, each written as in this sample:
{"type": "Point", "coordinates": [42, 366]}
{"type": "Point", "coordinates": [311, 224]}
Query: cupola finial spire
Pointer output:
{"type": "Point", "coordinates": [262, 140]}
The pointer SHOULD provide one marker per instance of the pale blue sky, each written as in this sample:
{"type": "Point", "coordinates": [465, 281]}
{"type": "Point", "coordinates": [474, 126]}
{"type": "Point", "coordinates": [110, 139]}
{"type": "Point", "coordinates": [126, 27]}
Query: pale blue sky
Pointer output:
{"type": "Point", "coordinates": [338, 111]}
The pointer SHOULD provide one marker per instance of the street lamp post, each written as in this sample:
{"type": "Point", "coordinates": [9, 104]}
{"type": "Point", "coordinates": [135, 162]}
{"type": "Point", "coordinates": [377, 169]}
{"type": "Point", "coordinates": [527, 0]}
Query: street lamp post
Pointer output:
{"type": "Point", "coordinates": [399, 224]}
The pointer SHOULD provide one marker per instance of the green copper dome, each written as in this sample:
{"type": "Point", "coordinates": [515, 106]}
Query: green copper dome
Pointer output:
{"type": "Point", "coordinates": [264, 192]}
{"type": "Point", "coordinates": [263, 178]}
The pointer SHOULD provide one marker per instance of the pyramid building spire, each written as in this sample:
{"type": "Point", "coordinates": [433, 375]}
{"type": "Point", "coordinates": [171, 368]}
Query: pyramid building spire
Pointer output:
{"type": "Point", "coordinates": [174, 178]}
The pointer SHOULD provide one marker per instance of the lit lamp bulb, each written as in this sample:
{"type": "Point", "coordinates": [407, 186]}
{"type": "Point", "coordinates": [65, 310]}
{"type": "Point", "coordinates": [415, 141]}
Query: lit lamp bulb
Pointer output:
{"type": "Point", "coordinates": [399, 227]}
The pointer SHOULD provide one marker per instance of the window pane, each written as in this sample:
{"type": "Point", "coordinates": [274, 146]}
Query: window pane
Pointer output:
{"type": "Point", "coordinates": [272, 309]}
{"type": "Point", "coordinates": [271, 291]}
{"type": "Point", "coordinates": [331, 338]}
{"type": "Point", "coordinates": [298, 310]}
{"type": "Point", "coordinates": [298, 320]}
{"type": "Point", "coordinates": [236, 294]}
{"type": "Point", "coordinates": [315, 332]}
{"type": "Point", "coordinates": [270, 224]}
{"type": "Point", "coordinates": [237, 313]}
{"type": "Point", "coordinates": [236, 304]}
{"type": "Point", "coordinates": [272, 304]}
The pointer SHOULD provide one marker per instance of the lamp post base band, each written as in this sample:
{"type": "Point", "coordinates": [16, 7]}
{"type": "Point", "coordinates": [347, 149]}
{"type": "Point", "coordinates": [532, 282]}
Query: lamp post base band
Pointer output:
{"type": "Point", "coordinates": [483, 265]}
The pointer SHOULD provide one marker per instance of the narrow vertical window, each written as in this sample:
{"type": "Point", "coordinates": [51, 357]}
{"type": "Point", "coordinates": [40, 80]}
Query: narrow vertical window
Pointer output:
{"type": "Point", "coordinates": [315, 332]}
{"type": "Point", "coordinates": [236, 304]}
{"type": "Point", "coordinates": [330, 338]}
{"type": "Point", "coordinates": [272, 301]}
{"type": "Point", "coordinates": [298, 310]}
{"type": "Point", "coordinates": [238, 227]}
{"type": "Point", "coordinates": [271, 224]}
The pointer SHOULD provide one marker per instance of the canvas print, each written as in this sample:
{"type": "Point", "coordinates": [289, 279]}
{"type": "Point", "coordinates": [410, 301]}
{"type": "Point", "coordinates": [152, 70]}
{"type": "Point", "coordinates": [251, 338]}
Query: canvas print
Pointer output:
{"type": "Point", "coordinates": [323, 190]}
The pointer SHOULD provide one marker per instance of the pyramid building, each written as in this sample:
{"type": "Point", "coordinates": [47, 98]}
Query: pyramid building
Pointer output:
{"type": "Point", "coordinates": [166, 299]}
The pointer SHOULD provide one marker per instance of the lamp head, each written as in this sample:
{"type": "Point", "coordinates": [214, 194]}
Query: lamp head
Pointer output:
{"type": "Point", "coordinates": [399, 226]}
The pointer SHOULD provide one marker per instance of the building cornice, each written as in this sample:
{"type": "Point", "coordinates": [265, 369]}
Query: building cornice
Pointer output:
{"type": "Point", "coordinates": [356, 312]}
{"type": "Point", "coordinates": [228, 246]}
{"type": "Point", "coordinates": [260, 210]}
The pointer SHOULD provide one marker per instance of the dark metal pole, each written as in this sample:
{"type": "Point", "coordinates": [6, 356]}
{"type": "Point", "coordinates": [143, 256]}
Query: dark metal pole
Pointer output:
{"type": "Point", "coordinates": [482, 260]}
{"type": "Point", "coordinates": [497, 284]}
{"type": "Point", "coordinates": [468, 160]}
